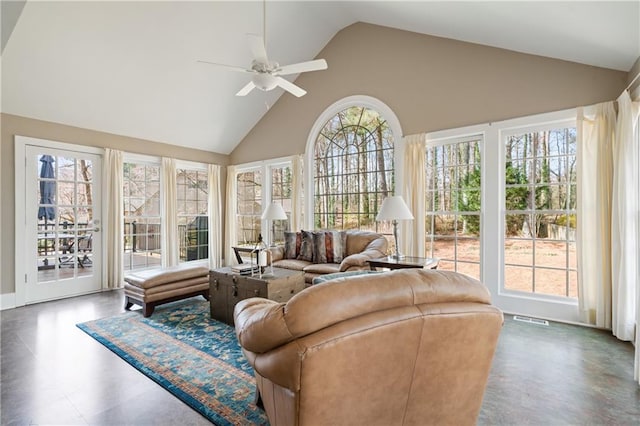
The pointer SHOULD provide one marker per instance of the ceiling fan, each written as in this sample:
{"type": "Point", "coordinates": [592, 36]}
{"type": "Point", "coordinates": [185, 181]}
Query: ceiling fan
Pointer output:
{"type": "Point", "coordinates": [267, 75]}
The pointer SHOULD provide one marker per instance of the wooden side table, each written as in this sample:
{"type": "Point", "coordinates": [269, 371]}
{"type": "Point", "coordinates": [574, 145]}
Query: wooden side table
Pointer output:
{"type": "Point", "coordinates": [404, 263]}
{"type": "Point", "coordinates": [227, 288]}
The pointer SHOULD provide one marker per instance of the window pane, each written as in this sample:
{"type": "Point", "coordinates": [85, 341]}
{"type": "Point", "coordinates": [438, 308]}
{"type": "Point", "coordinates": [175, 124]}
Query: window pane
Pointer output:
{"type": "Point", "coordinates": [353, 170]}
{"type": "Point", "coordinates": [453, 205]}
{"type": "Point", "coordinates": [193, 219]}
{"type": "Point", "coordinates": [248, 207]}
{"type": "Point", "coordinates": [141, 193]}
{"type": "Point", "coordinates": [540, 213]}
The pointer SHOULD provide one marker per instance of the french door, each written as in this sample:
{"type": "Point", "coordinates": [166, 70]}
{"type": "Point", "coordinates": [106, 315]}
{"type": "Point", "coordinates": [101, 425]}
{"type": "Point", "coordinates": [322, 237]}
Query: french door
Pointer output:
{"type": "Point", "coordinates": [63, 223]}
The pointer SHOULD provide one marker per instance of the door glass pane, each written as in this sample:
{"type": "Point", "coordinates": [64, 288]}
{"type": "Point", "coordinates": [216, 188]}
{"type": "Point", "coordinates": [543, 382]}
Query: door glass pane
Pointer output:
{"type": "Point", "coordinates": [65, 215]}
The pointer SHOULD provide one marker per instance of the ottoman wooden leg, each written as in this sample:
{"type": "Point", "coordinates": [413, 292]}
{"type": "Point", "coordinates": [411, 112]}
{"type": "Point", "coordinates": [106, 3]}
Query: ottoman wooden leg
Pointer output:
{"type": "Point", "coordinates": [147, 309]}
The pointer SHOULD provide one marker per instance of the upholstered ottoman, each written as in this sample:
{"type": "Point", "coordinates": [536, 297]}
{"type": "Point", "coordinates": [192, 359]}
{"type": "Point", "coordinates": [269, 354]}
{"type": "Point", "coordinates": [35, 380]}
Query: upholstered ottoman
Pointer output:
{"type": "Point", "coordinates": [157, 286]}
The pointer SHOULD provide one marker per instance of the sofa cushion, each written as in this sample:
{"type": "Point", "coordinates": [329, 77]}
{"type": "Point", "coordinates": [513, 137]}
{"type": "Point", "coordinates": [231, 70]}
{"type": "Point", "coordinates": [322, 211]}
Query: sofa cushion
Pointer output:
{"type": "Point", "coordinates": [295, 264]}
{"type": "Point", "coordinates": [322, 268]}
{"type": "Point", "coordinates": [292, 243]}
{"type": "Point", "coordinates": [306, 246]}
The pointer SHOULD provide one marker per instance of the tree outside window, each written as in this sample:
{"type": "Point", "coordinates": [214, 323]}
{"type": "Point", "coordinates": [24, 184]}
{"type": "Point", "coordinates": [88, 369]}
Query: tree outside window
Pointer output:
{"type": "Point", "coordinates": [353, 170]}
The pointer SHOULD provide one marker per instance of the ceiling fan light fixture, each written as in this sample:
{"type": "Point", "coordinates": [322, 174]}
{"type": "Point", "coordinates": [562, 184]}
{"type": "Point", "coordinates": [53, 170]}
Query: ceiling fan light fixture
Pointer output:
{"type": "Point", "coordinates": [264, 81]}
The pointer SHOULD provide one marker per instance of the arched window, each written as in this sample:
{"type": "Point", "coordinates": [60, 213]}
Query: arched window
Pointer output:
{"type": "Point", "coordinates": [353, 160]}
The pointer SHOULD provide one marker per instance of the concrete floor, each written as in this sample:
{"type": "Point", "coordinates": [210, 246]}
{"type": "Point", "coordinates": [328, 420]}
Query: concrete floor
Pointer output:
{"type": "Point", "coordinates": [53, 373]}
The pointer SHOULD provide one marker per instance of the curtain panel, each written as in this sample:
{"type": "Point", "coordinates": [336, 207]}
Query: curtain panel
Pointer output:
{"type": "Point", "coordinates": [113, 180]}
{"type": "Point", "coordinates": [595, 179]}
{"type": "Point", "coordinates": [215, 216]}
{"type": "Point", "coordinates": [296, 207]}
{"type": "Point", "coordinates": [168, 211]}
{"type": "Point", "coordinates": [230, 218]}
{"type": "Point", "coordinates": [413, 192]}
{"type": "Point", "coordinates": [608, 231]}
{"type": "Point", "coordinates": [625, 251]}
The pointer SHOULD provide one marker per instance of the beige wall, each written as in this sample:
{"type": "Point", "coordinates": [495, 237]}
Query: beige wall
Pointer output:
{"type": "Point", "coordinates": [635, 88]}
{"type": "Point", "coordinates": [12, 125]}
{"type": "Point", "coordinates": [430, 83]}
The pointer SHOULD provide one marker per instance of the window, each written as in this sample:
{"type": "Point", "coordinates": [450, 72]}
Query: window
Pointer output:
{"type": "Point", "coordinates": [453, 204]}
{"type": "Point", "coordinates": [282, 193]}
{"type": "Point", "coordinates": [141, 195]}
{"type": "Point", "coordinates": [193, 219]}
{"type": "Point", "coordinates": [540, 211]}
{"type": "Point", "coordinates": [353, 169]}
{"type": "Point", "coordinates": [248, 206]}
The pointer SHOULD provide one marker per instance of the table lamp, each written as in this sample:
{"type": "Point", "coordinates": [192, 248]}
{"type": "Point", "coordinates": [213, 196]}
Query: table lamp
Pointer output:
{"type": "Point", "coordinates": [394, 208]}
{"type": "Point", "coordinates": [273, 212]}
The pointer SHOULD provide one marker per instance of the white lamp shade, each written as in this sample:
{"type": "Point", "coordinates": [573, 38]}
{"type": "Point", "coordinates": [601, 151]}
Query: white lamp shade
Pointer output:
{"type": "Point", "coordinates": [394, 208]}
{"type": "Point", "coordinates": [274, 211]}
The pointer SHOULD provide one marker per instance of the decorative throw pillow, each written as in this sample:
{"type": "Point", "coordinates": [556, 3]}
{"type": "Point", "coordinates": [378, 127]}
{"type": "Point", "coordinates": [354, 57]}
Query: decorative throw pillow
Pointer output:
{"type": "Point", "coordinates": [336, 245]}
{"type": "Point", "coordinates": [329, 246]}
{"type": "Point", "coordinates": [320, 247]}
{"type": "Point", "coordinates": [306, 246]}
{"type": "Point", "coordinates": [292, 243]}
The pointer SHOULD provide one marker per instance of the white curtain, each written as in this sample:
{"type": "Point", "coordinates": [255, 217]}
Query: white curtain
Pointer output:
{"type": "Point", "coordinates": [230, 218]}
{"type": "Point", "coordinates": [296, 196]}
{"type": "Point", "coordinates": [595, 179]}
{"type": "Point", "coordinates": [215, 217]}
{"type": "Point", "coordinates": [113, 228]}
{"type": "Point", "coordinates": [413, 192]}
{"type": "Point", "coordinates": [625, 227]}
{"type": "Point", "coordinates": [625, 252]}
{"type": "Point", "coordinates": [168, 212]}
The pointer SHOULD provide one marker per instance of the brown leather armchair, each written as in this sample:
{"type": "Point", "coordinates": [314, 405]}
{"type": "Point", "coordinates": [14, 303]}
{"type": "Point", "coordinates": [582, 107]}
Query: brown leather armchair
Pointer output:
{"type": "Point", "coordinates": [408, 347]}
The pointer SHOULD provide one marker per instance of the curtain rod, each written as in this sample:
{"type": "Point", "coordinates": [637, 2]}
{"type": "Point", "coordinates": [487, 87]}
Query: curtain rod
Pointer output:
{"type": "Point", "coordinates": [633, 81]}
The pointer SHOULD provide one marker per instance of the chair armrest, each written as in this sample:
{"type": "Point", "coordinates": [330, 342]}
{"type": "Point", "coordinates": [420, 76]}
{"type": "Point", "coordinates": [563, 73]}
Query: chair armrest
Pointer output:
{"type": "Point", "coordinates": [359, 260]}
{"type": "Point", "coordinates": [260, 324]}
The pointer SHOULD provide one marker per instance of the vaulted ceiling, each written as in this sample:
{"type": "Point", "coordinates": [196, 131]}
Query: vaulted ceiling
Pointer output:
{"type": "Point", "coordinates": [130, 68]}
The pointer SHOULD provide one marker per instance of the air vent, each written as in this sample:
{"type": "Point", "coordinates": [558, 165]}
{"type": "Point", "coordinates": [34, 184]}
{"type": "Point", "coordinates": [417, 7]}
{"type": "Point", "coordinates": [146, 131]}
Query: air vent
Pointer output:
{"type": "Point", "coordinates": [530, 320]}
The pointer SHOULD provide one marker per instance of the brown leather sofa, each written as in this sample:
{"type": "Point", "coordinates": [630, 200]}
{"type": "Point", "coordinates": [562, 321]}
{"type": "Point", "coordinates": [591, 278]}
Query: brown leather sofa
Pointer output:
{"type": "Point", "coordinates": [360, 247]}
{"type": "Point", "coordinates": [407, 347]}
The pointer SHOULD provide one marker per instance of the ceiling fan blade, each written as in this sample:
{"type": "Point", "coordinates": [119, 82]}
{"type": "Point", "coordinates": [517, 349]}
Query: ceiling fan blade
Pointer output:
{"type": "Point", "coordinates": [246, 89]}
{"type": "Point", "coordinates": [317, 65]}
{"type": "Point", "coordinates": [290, 87]}
{"type": "Point", "coordinates": [229, 67]}
{"type": "Point", "coordinates": [256, 44]}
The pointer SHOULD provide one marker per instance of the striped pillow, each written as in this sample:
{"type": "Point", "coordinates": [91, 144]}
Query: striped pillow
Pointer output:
{"type": "Point", "coordinates": [292, 243]}
{"type": "Point", "coordinates": [306, 246]}
{"type": "Point", "coordinates": [329, 246]}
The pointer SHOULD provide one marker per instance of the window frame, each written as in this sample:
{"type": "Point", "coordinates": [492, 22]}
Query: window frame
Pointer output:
{"type": "Point", "coordinates": [338, 106]}
{"type": "Point", "coordinates": [265, 167]}
{"type": "Point", "coordinates": [492, 223]}
{"type": "Point", "coordinates": [204, 168]}
{"type": "Point", "coordinates": [145, 160]}
{"type": "Point", "coordinates": [454, 140]}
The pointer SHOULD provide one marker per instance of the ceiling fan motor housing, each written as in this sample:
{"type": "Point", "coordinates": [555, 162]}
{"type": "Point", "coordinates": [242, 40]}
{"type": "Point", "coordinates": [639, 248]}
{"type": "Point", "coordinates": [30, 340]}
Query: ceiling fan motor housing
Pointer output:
{"type": "Point", "coordinates": [264, 81]}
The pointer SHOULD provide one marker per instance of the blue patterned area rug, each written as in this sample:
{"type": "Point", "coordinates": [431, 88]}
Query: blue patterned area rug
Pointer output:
{"type": "Point", "coordinates": [194, 357]}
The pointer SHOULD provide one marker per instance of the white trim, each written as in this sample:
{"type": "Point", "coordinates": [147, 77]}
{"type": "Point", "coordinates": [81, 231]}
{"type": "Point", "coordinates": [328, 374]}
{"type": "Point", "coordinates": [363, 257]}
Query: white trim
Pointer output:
{"type": "Point", "coordinates": [340, 105]}
{"type": "Point", "coordinates": [191, 165]}
{"type": "Point", "coordinates": [7, 301]}
{"type": "Point", "coordinates": [20, 158]}
{"type": "Point", "coordinates": [262, 163]}
{"type": "Point", "coordinates": [141, 159]}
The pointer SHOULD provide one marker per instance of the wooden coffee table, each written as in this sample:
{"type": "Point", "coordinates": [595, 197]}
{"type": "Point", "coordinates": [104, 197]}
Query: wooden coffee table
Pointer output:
{"type": "Point", "coordinates": [227, 288]}
{"type": "Point", "coordinates": [404, 263]}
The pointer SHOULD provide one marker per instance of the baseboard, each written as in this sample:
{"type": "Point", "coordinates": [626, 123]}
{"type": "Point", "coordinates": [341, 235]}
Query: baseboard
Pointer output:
{"type": "Point", "coordinates": [7, 301]}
